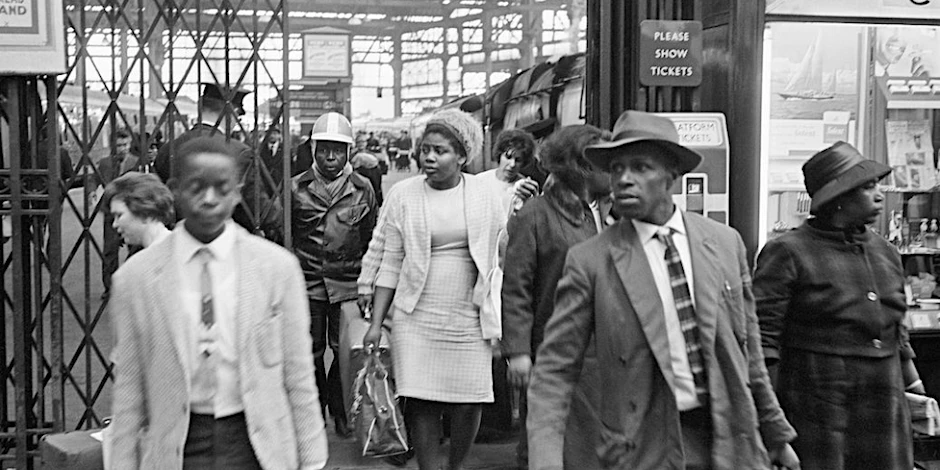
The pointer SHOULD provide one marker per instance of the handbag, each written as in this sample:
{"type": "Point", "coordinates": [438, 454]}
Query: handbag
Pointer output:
{"type": "Point", "coordinates": [491, 312]}
{"type": "Point", "coordinates": [377, 419]}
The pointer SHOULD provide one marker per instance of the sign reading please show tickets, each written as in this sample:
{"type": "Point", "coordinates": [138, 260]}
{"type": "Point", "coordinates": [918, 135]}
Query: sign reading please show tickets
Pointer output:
{"type": "Point", "coordinates": [671, 53]}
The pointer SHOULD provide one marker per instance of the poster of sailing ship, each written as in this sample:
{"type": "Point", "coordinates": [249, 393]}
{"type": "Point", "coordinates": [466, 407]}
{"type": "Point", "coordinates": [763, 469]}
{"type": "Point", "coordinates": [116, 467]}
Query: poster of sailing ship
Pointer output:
{"type": "Point", "coordinates": [814, 69]}
{"type": "Point", "coordinates": [808, 82]}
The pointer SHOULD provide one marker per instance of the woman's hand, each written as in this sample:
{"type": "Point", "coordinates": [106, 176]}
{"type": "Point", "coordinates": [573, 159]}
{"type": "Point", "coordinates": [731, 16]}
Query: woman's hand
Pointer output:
{"type": "Point", "coordinates": [365, 305]}
{"type": "Point", "coordinates": [526, 188]}
{"type": "Point", "coordinates": [373, 337]}
{"type": "Point", "coordinates": [518, 371]}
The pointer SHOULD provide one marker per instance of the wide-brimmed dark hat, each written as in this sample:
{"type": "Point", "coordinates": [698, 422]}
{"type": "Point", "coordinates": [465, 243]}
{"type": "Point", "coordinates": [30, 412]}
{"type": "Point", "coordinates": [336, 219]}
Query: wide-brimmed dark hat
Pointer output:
{"type": "Point", "coordinates": [217, 92]}
{"type": "Point", "coordinates": [637, 126]}
{"type": "Point", "coordinates": [838, 170]}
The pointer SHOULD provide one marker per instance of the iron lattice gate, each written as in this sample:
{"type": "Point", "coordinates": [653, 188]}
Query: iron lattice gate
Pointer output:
{"type": "Point", "coordinates": [134, 65]}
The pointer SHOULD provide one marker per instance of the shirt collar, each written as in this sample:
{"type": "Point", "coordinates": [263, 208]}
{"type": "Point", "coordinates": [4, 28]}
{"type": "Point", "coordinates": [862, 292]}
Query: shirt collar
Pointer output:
{"type": "Point", "coordinates": [221, 248]}
{"type": "Point", "coordinates": [647, 231]}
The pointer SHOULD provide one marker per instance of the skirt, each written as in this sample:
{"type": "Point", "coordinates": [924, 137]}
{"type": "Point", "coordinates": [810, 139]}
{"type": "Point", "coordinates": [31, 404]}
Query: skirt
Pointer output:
{"type": "Point", "coordinates": [438, 349]}
{"type": "Point", "coordinates": [849, 412]}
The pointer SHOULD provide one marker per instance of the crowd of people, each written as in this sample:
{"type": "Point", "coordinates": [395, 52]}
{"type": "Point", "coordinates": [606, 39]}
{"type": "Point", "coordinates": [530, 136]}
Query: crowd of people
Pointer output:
{"type": "Point", "coordinates": [638, 332]}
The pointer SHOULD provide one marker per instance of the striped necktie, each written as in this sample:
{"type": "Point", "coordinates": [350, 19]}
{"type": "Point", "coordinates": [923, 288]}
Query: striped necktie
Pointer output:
{"type": "Point", "coordinates": [205, 286]}
{"type": "Point", "coordinates": [686, 311]}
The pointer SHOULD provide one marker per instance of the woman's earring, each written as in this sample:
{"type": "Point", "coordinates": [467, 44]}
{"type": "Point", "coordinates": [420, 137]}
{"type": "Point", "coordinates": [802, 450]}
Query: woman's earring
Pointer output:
{"type": "Point", "coordinates": [839, 207]}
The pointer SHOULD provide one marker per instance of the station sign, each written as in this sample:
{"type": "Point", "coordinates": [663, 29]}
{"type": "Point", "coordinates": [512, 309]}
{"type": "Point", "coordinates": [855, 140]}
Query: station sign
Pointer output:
{"type": "Point", "coordinates": [671, 53]}
{"type": "Point", "coordinates": [327, 53]}
{"type": "Point", "coordinates": [32, 37]}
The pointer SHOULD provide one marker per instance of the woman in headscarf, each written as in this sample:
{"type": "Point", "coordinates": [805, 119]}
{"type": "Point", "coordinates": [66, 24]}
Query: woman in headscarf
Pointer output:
{"type": "Point", "coordinates": [435, 247]}
{"type": "Point", "coordinates": [575, 207]}
{"type": "Point", "coordinates": [830, 300]}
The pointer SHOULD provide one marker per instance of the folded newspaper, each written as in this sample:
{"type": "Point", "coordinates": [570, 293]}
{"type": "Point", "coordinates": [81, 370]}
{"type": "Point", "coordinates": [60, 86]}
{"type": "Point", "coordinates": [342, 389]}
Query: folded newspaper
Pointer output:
{"type": "Point", "coordinates": [925, 414]}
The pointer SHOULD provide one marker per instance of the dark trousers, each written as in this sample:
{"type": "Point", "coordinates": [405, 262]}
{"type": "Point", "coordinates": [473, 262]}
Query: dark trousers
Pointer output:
{"type": "Point", "coordinates": [324, 328]}
{"type": "Point", "coordinates": [217, 444]}
{"type": "Point", "coordinates": [697, 438]}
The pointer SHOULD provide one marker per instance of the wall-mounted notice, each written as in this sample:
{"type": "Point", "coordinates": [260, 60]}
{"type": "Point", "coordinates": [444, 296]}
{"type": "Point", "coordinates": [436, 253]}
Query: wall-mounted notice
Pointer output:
{"type": "Point", "coordinates": [327, 53]}
{"type": "Point", "coordinates": [671, 53]}
{"type": "Point", "coordinates": [32, 37]}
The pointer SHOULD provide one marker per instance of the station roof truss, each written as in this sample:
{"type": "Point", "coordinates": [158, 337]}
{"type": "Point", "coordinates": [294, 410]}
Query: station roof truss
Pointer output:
{"type": "Point", "coordinates": [439, 49]}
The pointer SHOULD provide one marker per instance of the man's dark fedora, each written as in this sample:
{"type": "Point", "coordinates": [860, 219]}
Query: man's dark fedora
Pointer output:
{"type": "Point", "coordinates": [637, 126]}
{"type": "Point", "coordinates": [838, 170]}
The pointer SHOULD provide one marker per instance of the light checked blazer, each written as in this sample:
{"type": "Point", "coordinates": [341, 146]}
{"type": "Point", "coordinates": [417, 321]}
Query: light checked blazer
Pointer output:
{"type": "Point", "coordinates": [152, 374]}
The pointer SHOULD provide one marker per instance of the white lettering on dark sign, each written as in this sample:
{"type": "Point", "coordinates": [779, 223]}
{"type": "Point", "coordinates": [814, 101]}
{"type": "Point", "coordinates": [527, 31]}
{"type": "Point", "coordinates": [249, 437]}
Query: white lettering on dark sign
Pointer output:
{"type": "Point", "coordinates": [670, 53]}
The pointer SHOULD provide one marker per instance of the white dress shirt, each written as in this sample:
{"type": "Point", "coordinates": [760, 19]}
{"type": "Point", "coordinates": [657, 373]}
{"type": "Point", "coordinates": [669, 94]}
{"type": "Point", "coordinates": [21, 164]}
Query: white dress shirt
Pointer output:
{"type": "Point", "coordinates": [683, 384]}
{"type": "Point", "coordinates": [220, 338]}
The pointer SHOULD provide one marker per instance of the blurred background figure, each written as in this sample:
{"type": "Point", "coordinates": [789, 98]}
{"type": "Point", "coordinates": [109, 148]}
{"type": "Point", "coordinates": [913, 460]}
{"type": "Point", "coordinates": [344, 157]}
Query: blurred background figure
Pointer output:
{"type": "Point", "coordinates": [121, 161]}
{"type": "Point", "coordinates": [368, 165]}
{"type": "Point", "coordinates": [141, 208]}
{"type": "Point", "coordinates": [830, 300]}
{"type": "Point", "coordinates": [260, 210]}
{"type": "Point", "coordinates": [435, 249]}
{"type": "Point", "coordinates": [575, 207]}
{"type": "Point", "coordinates": [272, 154]}
{"type": "Point", "coordinates": [514, 149]}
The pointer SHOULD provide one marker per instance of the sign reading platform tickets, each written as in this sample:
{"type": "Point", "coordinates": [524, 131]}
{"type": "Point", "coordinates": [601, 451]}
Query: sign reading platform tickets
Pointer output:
{"type": "Point", "coordinates": [671, 53]}
{"type": "Point", "coordinates": [705, 189]}
{"type": "Point", "coordinates": [32, 37]}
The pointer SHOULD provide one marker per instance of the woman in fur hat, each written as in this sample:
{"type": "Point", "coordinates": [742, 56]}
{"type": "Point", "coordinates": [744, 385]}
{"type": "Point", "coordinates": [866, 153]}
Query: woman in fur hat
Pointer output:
{"type": "Point", "coordinates": [830, 300]}
{"type": "Point", "coordinates": [429, 265]}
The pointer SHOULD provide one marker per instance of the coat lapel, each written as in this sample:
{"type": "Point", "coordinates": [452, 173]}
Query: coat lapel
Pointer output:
{"type": "Point", "coordinates": [637, 278]}
{"type": "Point", "coordinates": [249, 275]}
{"type": "Point", "coordinates": [704, 252]}
{"type": "Point", "coordinates": [164, 286]}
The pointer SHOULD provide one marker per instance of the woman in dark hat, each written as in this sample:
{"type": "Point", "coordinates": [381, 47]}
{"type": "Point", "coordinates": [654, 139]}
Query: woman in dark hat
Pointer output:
{"type": "Point", "coordinates": [830, 299]}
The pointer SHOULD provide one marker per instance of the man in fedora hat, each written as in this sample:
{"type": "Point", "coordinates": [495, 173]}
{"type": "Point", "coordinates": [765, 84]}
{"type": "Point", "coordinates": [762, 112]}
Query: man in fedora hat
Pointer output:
{"type": "Point", "coordinates": [217, 102]}
{"type": "Point", "coordinates": [666, 294]}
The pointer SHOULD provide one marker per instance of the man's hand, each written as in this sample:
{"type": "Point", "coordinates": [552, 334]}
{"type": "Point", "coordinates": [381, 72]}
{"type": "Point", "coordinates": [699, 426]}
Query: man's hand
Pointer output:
{"type": "Point", "coordinates": [784, 457]}
{"type": "Point", "coordinates": [365, 305]}
{"type": "Point", "coordinates": [518, 372]}
{"type": "Point", "coordinates": [526, 188]}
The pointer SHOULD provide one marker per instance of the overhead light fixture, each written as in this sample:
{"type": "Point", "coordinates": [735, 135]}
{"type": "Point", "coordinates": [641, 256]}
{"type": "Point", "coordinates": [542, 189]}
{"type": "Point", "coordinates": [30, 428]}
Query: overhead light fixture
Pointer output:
{"type": "Point", "coordinates": [354, 21]}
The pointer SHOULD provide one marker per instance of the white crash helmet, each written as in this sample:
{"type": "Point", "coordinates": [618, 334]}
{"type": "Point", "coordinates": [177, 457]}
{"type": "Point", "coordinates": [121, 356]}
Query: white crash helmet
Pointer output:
{"type": "Point", "coordinates": [332, 127]}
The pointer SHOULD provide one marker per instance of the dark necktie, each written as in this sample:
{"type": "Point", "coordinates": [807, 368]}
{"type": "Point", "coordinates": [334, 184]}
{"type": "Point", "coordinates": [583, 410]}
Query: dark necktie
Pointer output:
{"type": "Point", "coordinates": [205, 283]}
{"type": "Point", "coordinates": [686, 311]}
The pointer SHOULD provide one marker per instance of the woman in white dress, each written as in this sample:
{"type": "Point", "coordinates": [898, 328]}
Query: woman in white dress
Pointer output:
{"type": "Point", "coordinates": [436, 245]}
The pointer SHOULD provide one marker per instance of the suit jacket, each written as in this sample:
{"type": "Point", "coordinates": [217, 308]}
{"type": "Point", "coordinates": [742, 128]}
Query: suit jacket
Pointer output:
{"type": "Point", "coordinates": [152, 379]}
{"type": "Point", "coordinates": [608, 292]}
{"type": "Point", "coordinates": [109, 170]}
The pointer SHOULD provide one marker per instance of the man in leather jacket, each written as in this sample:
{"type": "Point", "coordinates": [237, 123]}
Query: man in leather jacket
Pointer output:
{"type": "Point", "coordinates": [334, 210]}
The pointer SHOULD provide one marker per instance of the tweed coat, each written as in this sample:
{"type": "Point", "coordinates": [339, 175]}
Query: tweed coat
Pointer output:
{"type": "Point", "coordinates": [275, 364]}
{"type": "Point", "coordinates": [607, 291]}
{"type": "Point", "coordinates": [400, 250]}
